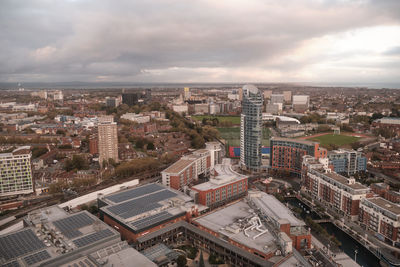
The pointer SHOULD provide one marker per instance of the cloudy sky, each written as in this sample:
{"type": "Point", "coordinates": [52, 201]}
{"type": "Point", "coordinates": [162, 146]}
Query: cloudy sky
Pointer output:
{"type": "Point", "coordinates": [200, 41]}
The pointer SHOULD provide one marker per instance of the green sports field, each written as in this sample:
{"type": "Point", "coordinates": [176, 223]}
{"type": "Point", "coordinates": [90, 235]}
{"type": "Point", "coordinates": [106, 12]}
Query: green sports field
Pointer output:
{"type": "Point", "coordinates": [232, 119]}
{"type": "Point", "coordinates": [336, 139]}
{"type": "Point", "coordinates": [232, 135]}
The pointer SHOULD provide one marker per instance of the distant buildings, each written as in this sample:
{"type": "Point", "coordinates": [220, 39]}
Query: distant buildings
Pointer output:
{"type": "Point", "coordinates": [132, 98]}
{"type": "Point", "coordinates": [16, 172]}
{"type": "Point", "coordinates": [347, 161]}
{"type": "Point", "coordinates": [138, 118]}
{"type": "Point", "coordinates": [107, 142]}
{"type": "Point", "coordinates": [389, 123]}
{"type": "Point", "coordinates": [384, 191]}
{"type": "Point", "coordinates": [56, 95]}
{"type": "Point", "coordinates": [112, 102]}
{"type": "Point", "coordinates": [287, 154]}
{"type": "Point", "coordinates": [224, 186]}
{"type": "Point", "coordinates": [287, 95]}
{"type": "Point", "coordinates": [186, 93]}
{"type": "Point", "coordinates": [300, 103]}
{"type": "Point", "coordinates": [251, 128]}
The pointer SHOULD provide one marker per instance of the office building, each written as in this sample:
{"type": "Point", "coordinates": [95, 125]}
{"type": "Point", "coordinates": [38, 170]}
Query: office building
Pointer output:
{"type": "Point", "coordinates": [287, 154]}
{"type": "Point", "coordinates": [16, 172]}
{"type": "Point", "coordinates": [107, 142]}
{"type": "Point", "coordinates": [136, 97]}
{"type": "Point", "coordinates": [277, 99]}
{"type": "Point", "coordinates": [138, 118]}
{"type": "Point", "coordinates": [300, 103]}
{"type": "Point", "coordinates": [112, 102]}
{"type": "Point", "coordinates": [347, 161]}
{"type": "Point", "coordinates": [186, 93]}
{"type": "Point", "coordinates": [287, 95]}
{"type": "Point", "coordinates": [267, 94]}
{"type": "Point", "coordinates": [251, 128]}
{"type": "Point", "coordinates": [382, 217]}
{"type": "Point", "coordinates": [225, 185]}
{"type": "Point", "coordinates": [334, 190]}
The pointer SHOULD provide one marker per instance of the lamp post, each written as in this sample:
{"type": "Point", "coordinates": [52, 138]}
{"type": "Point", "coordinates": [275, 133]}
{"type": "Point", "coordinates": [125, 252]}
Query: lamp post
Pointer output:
{"type": "Point", "coordinates": [355, 255]}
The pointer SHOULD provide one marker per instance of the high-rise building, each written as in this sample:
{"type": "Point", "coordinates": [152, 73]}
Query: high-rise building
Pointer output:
{"type": "Point", "coordinates": [187, 93]}
{"type": "Point", "coordinates": [267, 94]}
{"type": "Point", "coordinates": [251, 128]}
{"type": "Point", "coordinates": [16, 172]}
{"type": "Point", "coordinates": [108, 142]}
{"type": "Point", "coordinates": [287, 95]}
{"type": "Point", "coordinates": [112, 102]}
{"type": "Point", "coordinates": [132, 98]}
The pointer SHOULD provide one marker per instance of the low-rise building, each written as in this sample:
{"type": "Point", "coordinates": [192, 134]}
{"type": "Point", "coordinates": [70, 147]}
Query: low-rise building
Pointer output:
{"type": "Point", "coordinates": [142, 210]}
{"type": "Point", "coordinates": [139, 118]}
{"type": "Point", "coordinates": [383, 190]}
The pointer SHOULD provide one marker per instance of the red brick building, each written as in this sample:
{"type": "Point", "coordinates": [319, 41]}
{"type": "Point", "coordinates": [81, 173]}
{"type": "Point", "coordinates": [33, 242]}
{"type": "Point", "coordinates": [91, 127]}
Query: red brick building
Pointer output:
{"type": "Point", "coordinates": [224, 186]}
{"type": "Point", "coordinates": [383, 190]}
{"type": "Point", "coordinates": [287, 154]}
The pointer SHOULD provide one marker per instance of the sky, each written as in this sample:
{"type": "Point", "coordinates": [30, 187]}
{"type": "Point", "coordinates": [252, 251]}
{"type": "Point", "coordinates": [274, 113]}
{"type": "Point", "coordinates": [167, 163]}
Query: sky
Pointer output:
{"type": "Point", "coordinates": [200, 41]}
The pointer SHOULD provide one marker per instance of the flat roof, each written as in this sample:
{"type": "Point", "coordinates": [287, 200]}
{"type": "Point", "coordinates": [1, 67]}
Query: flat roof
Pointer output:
{"type": "Point", "coordinates": [273, 208]}
{"type": "Point", "coordinates": [224, 175]}
{"type": "Point", "coordinates": [300, 141]}
{"type": "Point", "coordinates": [385, 204]}
{"type": "Point", "coordinates": [230, 221]}
{"type": "Point", "coordinates": [178, 166]}
{"type": "Point", "coordinates": [343, 180]}
{"type": "Point", "coordinates": [146, 206]}
{"type": "Point", "coordinates": [73, 234]}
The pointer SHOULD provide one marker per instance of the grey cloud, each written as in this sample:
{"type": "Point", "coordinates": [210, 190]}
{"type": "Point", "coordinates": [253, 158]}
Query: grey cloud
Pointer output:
{"type": "Point", "coordinates": [64, 40]}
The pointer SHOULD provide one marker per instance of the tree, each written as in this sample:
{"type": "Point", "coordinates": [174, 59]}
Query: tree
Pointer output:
{"type": "Point", "coordinates": [150, 146]}
{"type": "Point", "coordinates": [59, 131]}
{"type": "Point", "coordinates": [38, 151]}
{"type": "Point", "coordinates": [181, 261]}
{"type": "Point", "coordinates": [201, 262]}
{"type": "Point", "coordinates": [139, 143]}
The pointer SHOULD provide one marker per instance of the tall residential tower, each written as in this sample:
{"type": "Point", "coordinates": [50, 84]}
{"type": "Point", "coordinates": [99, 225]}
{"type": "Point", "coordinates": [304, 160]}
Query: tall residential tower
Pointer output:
{"type": "Point", "coordinates": [251, 128]}
{"type": "Point", "coordinates": [108, 142]}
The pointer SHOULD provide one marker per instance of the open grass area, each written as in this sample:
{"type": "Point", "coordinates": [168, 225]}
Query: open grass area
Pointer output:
{"type": "Point", "coordinates": [232, 135]}
{"type": "Point", "coordinates": [336, 139]}
{"type": "Point", "coordinates": [231, 119]}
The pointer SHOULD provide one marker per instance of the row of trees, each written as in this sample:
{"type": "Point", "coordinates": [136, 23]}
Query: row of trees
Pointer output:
{"type": "Point", "coordinates": [136, 166]}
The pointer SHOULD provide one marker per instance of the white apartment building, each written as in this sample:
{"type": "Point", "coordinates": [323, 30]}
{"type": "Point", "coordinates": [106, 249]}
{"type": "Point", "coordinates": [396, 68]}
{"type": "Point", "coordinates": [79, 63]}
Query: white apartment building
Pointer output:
{"type": "Point", "coordinates": [16, 172]}
{"type": "Point", "coordinates": [139, 118]}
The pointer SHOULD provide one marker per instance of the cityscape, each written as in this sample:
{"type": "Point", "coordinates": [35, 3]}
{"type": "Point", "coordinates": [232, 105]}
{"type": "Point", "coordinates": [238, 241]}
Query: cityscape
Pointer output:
{"type": "Point", "coordinates": [134, 136]}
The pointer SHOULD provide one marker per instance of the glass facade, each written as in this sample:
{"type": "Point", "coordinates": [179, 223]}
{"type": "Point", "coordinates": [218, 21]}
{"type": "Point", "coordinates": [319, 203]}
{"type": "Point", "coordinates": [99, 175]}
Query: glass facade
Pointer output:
{"type": "Point", "coordinates": [251, 128]}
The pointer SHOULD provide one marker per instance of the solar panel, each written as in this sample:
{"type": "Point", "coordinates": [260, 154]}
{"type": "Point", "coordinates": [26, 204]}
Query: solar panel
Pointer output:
{"type": "Point", "coordinates": [19, 243]}
{"type": "Point", "coordinates": [69, 226]}
{"type": "Point", "coordinates": [140, 205]}
{"type": "Point", "coordinates": [148, 221]}
{"type": "Point", "coordinates": [134, 193]}
{"type": "Point", "coordinates": [11, 264]}
{"type": "Point", "coordinates": [37, 257]}
{"type": "Point", "coordinates": [89, 239]}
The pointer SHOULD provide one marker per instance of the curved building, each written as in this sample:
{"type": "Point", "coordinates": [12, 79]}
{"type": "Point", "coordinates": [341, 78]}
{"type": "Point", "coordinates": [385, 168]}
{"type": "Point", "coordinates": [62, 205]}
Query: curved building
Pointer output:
{"type": "Point", "coordinates": [287, 154]}
{"type": "Point", "coordinates": [251, 128]}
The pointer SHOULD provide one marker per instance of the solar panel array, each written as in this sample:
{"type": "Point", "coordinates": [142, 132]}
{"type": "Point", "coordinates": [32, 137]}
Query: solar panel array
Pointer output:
{"type": "Point", "coordinates": [133, 193]}
{"type": "Point", "coordinates": [11, 264]}
{"type": "Point", "coordinates": [89, 239]}
{"type": "Point", "coordinates": [18, 244]}
{"type": "Point", "coordinates": [69, 226]}
{"type": "Point", "coordinates": [37, 257]}
{"type": "Point", "coordinates": [141, 205]}
{"type": "Point", "coordinates": [148, 221]}
{"type": "Point", "coordinates": [84, 263]}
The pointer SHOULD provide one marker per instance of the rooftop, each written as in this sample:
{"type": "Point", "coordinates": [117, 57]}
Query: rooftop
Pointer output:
{"type": "Point", "coordinates": [179, 166]}
{"type": "Point", "coordinates": [273, 208]}
{"type": "Point", "coordinates": [300, 141]}
{"type": "Point", "coordinates": [385, 204]}
{"type": "Point", "coordinates": [53, 233]}
{"type": "Point", "coordinates": [224, 175]}
{"type": "Point", "coordinates": [345, 181]}
{"type": "Point", "coordinates": [231, 221]}
{"type": "Point", "coordinates": [146, 206]}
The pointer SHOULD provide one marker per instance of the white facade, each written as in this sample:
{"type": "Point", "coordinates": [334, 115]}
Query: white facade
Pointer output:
{"type": "Point", "coordinates": [301, 100]}
{"type": "Point", "coordinates": [136, 117]}
{"type": "Point", "coordinates": [180, 108]}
